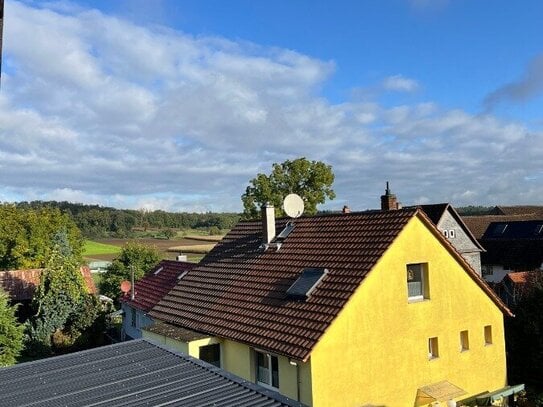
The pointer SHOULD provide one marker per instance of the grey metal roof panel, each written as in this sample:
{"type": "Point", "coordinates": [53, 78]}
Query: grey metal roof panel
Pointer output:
{"type": "Point", "coordinates": [128, 374]}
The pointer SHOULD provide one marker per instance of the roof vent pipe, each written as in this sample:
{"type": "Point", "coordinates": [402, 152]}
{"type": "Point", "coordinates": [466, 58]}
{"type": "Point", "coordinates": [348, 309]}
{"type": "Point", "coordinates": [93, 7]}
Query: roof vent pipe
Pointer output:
{"type": "Point", "coordinates": [268, 223]}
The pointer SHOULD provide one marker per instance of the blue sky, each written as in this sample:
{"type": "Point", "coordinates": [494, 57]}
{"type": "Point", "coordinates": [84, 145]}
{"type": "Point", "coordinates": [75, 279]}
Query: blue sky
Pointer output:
{"type": "Point", "coordinates": [177, 104]}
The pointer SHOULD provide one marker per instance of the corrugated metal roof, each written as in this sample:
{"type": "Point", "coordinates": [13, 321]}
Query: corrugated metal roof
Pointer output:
{"type": "Point", "coordinates": [131, 373]}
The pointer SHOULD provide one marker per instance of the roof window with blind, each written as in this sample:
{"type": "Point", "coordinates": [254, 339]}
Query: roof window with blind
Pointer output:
{"type": "Point", "coordinates": [302, 288]}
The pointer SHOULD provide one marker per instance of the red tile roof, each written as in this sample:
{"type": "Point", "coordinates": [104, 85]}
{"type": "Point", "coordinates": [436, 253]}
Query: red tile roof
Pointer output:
{"type": "Point", "coordinates": [21, 284]}
{"type": "Point", "coordinates": [153, 286]}
{"type": "Point", "coordinates": [238, 290]}
{"type": "Point", "coordinates": [519, 277]}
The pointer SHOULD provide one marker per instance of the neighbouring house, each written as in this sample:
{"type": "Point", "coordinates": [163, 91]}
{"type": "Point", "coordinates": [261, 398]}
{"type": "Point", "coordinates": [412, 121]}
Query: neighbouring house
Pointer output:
{"type": "Point", "coordinates": [449, 222]}
{"type": "Point", "coordinates": [510, 244]}
{"type": "Point", "coordinates": [135, 373]}
{"type": "Point", "coordinates": [147, 293]}
{"type": "Point", "coordinates": [369, 308]}
{"type": "Point", "coordinates": [21, 285]}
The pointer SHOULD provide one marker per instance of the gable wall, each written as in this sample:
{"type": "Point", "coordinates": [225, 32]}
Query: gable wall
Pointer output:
{"type": "Point", "coordinates": [376, 351]}
{"type": "Point", "coordinates": [462, 242]}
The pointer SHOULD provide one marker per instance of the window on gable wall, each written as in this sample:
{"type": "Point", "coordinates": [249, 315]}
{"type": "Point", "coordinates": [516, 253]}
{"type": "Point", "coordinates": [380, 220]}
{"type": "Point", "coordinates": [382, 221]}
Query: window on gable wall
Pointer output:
{"type": "Point", "coordinates": [417, 281]}
{"type": "Point", "coordinates": [464, 341]}
{"type": "Point", "coordinates": [433, 348]}
{"type": "Point", "coordinates": [452, 233]}
{"type": "Point", "coordinates": [267, 369]}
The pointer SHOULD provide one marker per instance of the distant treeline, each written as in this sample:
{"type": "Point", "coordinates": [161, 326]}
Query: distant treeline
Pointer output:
{"type": "Point", "coordinates": [96, 221]}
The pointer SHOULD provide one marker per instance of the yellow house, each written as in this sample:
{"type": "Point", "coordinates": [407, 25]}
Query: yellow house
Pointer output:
{"type": "Point", "coordinates": [355, 309]}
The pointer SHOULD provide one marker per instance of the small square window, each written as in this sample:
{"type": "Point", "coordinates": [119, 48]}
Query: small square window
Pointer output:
{"type": "Point", "coordinates": [211, 354]}
{"type": "Point", "coordinates": [464, 341]}
{"type": "Point", "coordinates": [433, 348]}
{"type": "Point", "coordinates": [417, 281]}
{"type": "Point", "coordinates": [488, 335]}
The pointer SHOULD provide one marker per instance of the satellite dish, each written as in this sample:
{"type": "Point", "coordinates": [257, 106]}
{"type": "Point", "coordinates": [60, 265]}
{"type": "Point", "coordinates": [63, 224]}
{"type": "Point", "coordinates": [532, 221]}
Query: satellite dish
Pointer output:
{"type": "Point", "coordinates": [125, 286]}
{"type": "Point", "coordinates": [293, 205]}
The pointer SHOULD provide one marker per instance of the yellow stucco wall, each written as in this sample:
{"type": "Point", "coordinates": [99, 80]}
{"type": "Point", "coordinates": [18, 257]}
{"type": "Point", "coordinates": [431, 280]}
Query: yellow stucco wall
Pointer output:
{"type": "Point", "coordinates": [376, 351]}
{"type": "Point", "coordinates": [165, 342]}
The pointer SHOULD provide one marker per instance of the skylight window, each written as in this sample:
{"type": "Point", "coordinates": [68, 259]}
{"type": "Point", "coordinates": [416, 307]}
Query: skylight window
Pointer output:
{"type": "Point", "coordinates": [183, 274]}
{"type": "Point", "coordinates": [499, 229]}
{"type": "Point", "coordinates": [538, 229]}
{"type": "Point", "coordinates": [158, 270]}
{"type": "Point", "coordinates": [302, 288]}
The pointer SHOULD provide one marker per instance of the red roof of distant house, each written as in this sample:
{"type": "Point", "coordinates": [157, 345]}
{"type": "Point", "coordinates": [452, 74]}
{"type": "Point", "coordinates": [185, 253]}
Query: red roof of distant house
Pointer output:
{"type": "Point", "coordinates": [21, 284]}
{"type": "Point", "coordinates": [518, 277]}
{"type": "Point", "coordinates": [150, 289]}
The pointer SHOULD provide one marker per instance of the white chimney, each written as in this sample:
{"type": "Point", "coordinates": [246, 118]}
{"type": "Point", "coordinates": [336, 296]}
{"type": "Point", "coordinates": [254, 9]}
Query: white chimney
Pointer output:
{"type": "Point", "coordinates": [268, 223]}
{"type": "Point", "coordinates": [181, 257]}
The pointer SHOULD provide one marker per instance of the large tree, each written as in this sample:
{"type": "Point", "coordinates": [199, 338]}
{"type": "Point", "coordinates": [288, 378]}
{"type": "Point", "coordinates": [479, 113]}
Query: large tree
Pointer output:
{"type": "Point", "coordinates": [133, 256]}
{"type": "Point", "coordinates": [312, 180]}
{"type": "Point", "coordinates": [11, 332]}
{"type": "Point", "coordinates": [26, 235]}
{"type": "Point", "coordinates": [63, 308]}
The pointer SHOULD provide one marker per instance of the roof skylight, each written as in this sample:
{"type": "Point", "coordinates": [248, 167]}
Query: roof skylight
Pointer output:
{"type": "Point", "coordinates": [302, 288]}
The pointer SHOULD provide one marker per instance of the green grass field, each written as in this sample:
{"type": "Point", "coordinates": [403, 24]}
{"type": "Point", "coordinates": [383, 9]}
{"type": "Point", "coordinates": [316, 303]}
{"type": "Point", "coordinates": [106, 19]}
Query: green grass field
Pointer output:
{"type": "Point", "coordinates": [90, 248]}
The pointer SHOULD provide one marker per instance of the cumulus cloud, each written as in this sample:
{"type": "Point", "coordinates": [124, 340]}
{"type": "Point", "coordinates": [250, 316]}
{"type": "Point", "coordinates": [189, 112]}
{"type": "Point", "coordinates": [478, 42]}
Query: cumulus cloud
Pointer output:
{"type": "Point", "coordinates": [98, 109]}
{"type": "Point", "coordinates": [529, 86]}
{"type": "Point", "coordinates": [400, 83]}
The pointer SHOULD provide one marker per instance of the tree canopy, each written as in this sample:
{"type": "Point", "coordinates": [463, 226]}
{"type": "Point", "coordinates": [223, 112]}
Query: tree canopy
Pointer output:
{"type": "Point", "coordinates": [312, 180]}
{"type": "Point", "coordinates": [96, 221]}
{"type": "Point", "coordinates": [26, 235]}
{"type": "Point", "coordinates": [140, 257]}
{"type": "Point", "coordinates": [11, 332]}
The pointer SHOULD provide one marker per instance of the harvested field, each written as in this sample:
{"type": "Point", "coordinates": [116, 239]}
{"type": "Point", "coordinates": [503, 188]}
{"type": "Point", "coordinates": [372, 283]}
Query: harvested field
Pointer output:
{"type": "Point", "coordinates": [162, 246]}
{"type": "Point", "coordinates": [205, 238]}
{"type": "Point", "coordinates": [197, 248]}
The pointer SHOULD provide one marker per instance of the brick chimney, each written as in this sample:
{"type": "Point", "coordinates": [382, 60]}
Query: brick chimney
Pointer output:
{"type": "Point", "coordinates": [268, 223]}
{"type": "Point", "coordinates": [389, 201]}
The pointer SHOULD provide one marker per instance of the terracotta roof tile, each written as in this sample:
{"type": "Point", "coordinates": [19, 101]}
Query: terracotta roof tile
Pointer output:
{"type": "Point", "coordinates": [153, 286]}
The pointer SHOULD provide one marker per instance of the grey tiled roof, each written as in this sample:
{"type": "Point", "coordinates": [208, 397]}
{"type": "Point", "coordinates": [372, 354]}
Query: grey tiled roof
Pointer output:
{"type": "Point", "coordinates": [131, 373]}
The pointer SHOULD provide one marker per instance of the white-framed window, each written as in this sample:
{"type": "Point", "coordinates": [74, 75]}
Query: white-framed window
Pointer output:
{"type": "Point", "coordinates": [452, 234]}
{"type": "Point", "coordinates": [487, 269]}
{"type": "Point", "coordinates": [464, 341]}
{"type": "Point", "coordinates": [267, 369]}
{"type": "Point", "coordinates": [446, 233]}
{"type": "Point", "coordinates": [211, 354]}
{"type": "Point", "coordinates": [488, 335]}
{"type": "Point", "coordinates": [417, 281]}
{"type": "Point", "coordinates": [433, 348]}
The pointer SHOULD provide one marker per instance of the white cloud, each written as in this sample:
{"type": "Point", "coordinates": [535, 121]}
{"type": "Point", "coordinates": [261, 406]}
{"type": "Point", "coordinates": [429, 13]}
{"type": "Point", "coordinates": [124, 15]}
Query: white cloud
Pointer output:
{"type": "Point", "coordinates": [99, 109]}
{"type": "Point", "coordinates": [400, 83]}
